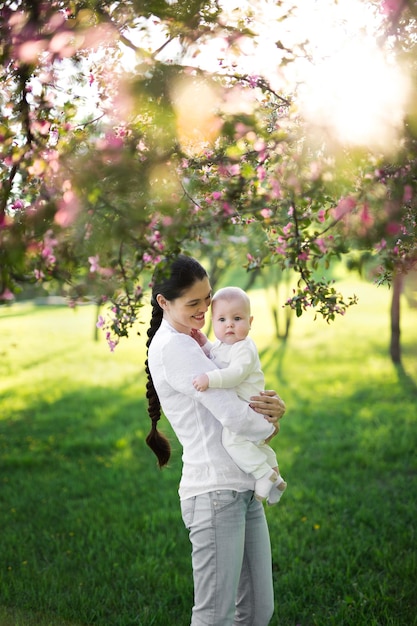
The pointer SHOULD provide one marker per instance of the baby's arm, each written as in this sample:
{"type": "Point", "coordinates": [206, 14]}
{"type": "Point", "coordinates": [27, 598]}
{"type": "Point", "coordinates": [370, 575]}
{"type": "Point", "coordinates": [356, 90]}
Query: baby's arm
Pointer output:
{"type": "Point", "coordinates": [201, 382]}
{"type": "Point", "coordinates": [243, 359]}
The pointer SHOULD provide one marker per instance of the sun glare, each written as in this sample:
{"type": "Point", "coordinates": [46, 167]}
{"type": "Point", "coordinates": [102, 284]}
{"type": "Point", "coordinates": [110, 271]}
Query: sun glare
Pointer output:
{"type": "Point", "coordinates": [350, 89]}
{"type": "Point", "coordinates": [356, 96]}
{"type": "Point", "coordinates": [342, 82]}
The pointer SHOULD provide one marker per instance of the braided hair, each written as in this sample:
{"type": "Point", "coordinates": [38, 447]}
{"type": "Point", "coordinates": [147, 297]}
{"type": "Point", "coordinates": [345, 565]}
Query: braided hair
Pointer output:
{"type": "Point", "coordinates": [171, 278]}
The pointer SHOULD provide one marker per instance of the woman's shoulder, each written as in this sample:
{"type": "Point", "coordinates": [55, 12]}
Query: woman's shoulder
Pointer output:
{"type": "Point", "coordinates": [167, 335]}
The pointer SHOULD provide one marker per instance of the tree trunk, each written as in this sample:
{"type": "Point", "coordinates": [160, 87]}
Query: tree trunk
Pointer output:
{"type": "Point", "coordinates": [395, 347]}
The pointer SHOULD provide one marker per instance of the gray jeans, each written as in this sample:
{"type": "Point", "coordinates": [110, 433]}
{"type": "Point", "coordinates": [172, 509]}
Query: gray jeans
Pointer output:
{"type": "Point", "coordinates": [231, 557]}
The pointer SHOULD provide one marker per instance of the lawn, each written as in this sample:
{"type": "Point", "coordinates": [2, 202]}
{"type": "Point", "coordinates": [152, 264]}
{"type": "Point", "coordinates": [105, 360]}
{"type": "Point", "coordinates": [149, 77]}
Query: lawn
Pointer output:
{"type": "Point", "coordinates": [91, 532]}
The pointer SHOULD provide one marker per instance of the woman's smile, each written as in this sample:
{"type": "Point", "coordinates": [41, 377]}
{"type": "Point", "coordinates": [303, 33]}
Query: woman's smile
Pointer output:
{"type": "Point", "coordinates": [188, 312]}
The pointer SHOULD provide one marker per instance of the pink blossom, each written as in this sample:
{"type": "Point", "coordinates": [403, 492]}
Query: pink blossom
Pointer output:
{"type": "Point", "coordinates": [344, 206]}
{"type": "Point", "coordinates": [366, 217]}
{"type": "Point", "coordinates": [29, 51]}
{"type": "Point", "coordinates": [315, 170]}
{"type": "Point", "coordinates": [408, 193]}
{"type": "Point", "coordinates": [266, 213]}
{"type": "Point", "coordinates": [39, 275]}
{"type": "Point", "coordinates": [276, 189]}
{"type": "Point", "coordinates": [42, 127]}
{"type": "Point", "coordinates": [94, 263]}
{"type": "Point", "coordinates": [227, 208]}
{"type": "Point", "coordinates": [259, 145]}
{"type": "Point", "coordinates": [110, 142]}
{"type": "Point", "coordinates": [62, 44]}
{"type": "Point", "coordinates": [261, 173]}
{"type": "Point", "coordinates": [111, 343]}
{"type": "Point", "coordinates": [381, 245]}
{"type": "Point", "coordinates": [321, 215]}
{"type": "Point", "coordinates": [142, 147]}
{"type": "Point", "coordinates": [287, 229]}
{"type": "Point", "coordinates": [216, 195]}
{"type": "Point", "coordinates": [322, 245]}
{"type": "Point", "coordinates": [49, 239]}
{"type": "Point", "coordinates": [48, 256]}
{"type": "Point", "coordinates": [392, 6]}
{"type": "Point", "coordinates": [303, 256]}
{"type": "Point", "coordinates": [106, 272]}
{"type": "Point", "coordinates": [240, 130]}
{"type": "Point", "coordinates": [68, 209]}
{"type": "Point", "coordinates": [393, 228]}
{"type": "Point", "coordinates": [7, 295]}
{"type": "Point", "coordinates": [100, 321]}
{"type": "Point", "coordinates": [234, 170]}
{"type": "Point", "coordinates": [98, 35]}
{"type": "Point", "coordinates": [37, 168]}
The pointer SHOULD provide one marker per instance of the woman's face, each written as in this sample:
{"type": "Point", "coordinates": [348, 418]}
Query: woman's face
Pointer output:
{"type": "Point", "coordinates": [188, 312]}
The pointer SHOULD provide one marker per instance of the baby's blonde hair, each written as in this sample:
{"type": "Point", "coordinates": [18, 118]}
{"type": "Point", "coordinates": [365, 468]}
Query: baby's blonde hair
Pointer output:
{"type": "Point", "coordinates": [231, 293]}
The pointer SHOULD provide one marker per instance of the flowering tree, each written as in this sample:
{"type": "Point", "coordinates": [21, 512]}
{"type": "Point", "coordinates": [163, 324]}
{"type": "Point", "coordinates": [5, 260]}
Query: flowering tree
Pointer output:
{"type": "Point", "coordinates": [105, 170]}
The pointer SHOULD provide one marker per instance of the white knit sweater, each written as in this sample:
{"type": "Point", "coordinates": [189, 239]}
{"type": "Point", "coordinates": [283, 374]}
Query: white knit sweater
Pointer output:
{"type": "Point", "coordinates": [197, 418]}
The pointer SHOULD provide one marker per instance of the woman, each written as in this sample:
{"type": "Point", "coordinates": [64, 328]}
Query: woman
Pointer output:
{"type": "Point", "coordinates": [231, 554]}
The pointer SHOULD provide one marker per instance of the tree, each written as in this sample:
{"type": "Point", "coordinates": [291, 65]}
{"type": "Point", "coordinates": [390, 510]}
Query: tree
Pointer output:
{"type": "Point", "coordinates": [171, 155]}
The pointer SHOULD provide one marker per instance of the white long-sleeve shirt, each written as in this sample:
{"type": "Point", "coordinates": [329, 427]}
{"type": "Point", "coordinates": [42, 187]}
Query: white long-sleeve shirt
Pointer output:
{"type": "Point", "coordinates": [239, 365]}
{"type": "Point", "coordinates": [197, 418]}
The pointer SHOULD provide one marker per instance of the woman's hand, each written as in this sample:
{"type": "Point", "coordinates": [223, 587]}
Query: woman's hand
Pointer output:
{"type": "Point", "coordinates": [270, 405]}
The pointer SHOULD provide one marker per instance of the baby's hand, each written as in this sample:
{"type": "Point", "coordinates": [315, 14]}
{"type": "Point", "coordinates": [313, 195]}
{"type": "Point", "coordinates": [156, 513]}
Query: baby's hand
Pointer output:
{"type": "Point", "coordinates": [200, 337]}
{"type": "Point", "coordinates": [201, 382]}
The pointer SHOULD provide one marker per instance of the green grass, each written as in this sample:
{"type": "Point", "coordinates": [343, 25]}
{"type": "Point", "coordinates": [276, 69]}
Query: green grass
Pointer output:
{"type": "Point", "coordinates": [91, 532]}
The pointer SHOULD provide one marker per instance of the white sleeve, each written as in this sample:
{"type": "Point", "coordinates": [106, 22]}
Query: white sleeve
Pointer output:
{"type": "Point", "coordinates": [182, 360]}
{"type": "Point", "coordinates": [207, 348]}
{"type": "Point", "coordinates": [243, 359]}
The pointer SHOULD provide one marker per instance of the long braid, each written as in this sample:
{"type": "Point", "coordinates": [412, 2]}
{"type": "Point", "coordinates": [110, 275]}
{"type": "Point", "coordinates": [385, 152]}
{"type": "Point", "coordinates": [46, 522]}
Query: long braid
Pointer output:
{"type": "Point", "coordinates": [171, 277]}
{"type": "Point", "coordinates": [157, 442]}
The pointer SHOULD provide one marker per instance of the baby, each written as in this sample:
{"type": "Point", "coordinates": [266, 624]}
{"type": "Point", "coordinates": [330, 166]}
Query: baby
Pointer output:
{"type": "Point", "coordinates": [237, 357]}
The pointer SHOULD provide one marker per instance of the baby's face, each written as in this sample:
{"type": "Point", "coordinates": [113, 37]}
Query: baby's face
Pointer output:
{"type": "Point", "coordinates": [231, 320]}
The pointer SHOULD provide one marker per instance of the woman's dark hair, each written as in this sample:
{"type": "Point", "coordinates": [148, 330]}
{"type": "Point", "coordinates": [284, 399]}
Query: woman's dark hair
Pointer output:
{"type": "Point", "coordinates": [171, 278]}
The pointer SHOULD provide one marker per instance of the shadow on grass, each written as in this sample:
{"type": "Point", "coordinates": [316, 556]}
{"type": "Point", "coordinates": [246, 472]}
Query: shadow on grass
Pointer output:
{"type": "Point", "coordinates": [273, 359]}
{"type": "Point", "coordinates": [92, 534]}
{"type": "Point", "coordinates": [406, 380]}
{"type": "Point", "coordinates": [347, 450]}
{"type": "Point", "coordinates": [91, 529]}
